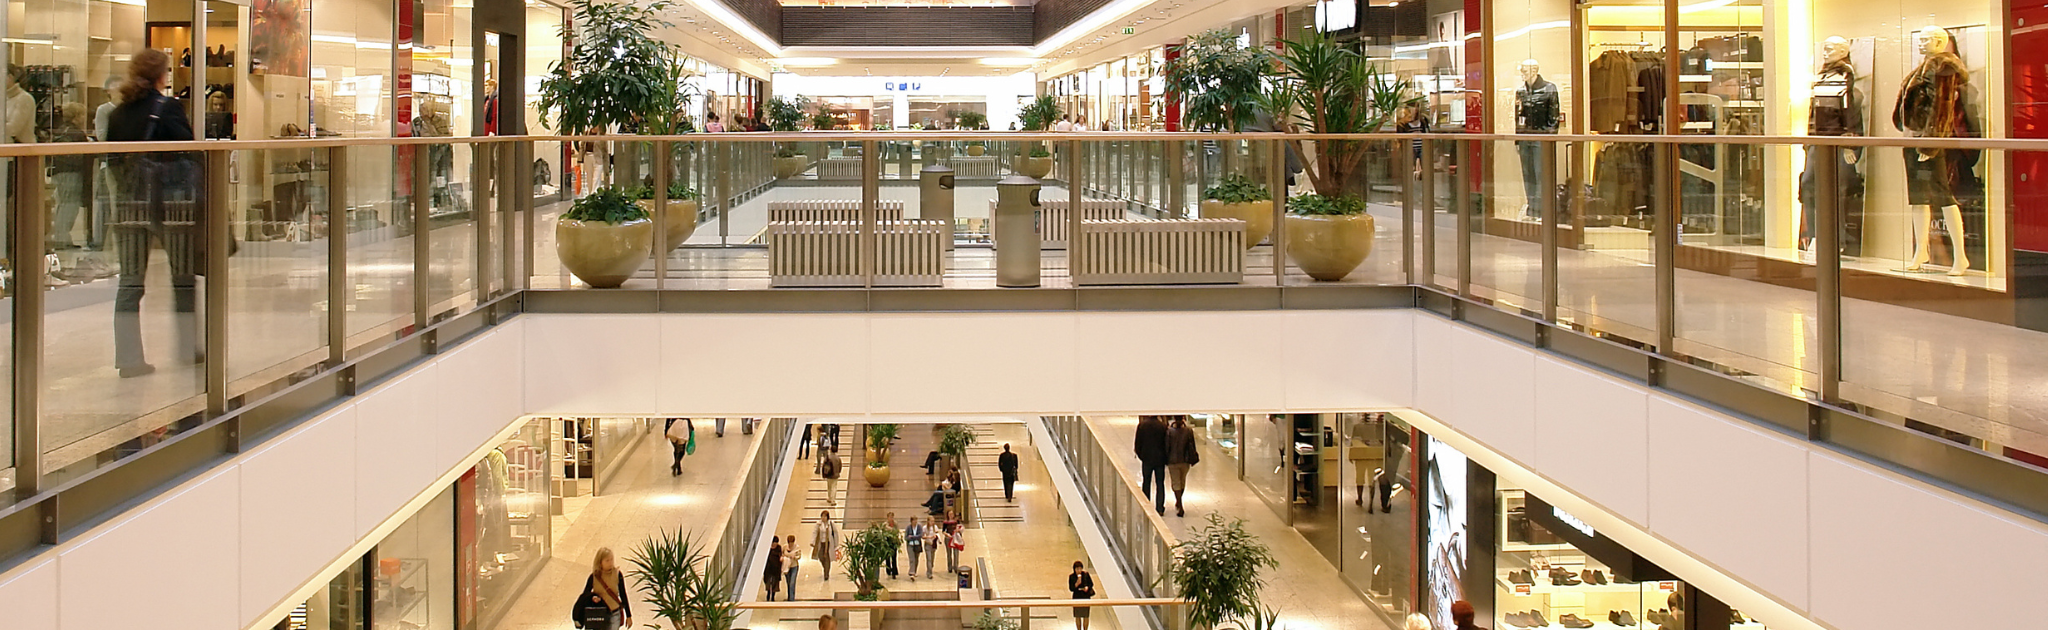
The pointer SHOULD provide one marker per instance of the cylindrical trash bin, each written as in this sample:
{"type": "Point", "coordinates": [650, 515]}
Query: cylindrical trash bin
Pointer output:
{"type": "Point", "coordinates": [935, 197]}
{"type": "Point", "coordinates": [1016, 232]}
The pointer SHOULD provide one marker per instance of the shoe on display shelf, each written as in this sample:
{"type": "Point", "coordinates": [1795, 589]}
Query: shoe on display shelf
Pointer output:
{"type": "Point", "coordinates": [1573, 621]}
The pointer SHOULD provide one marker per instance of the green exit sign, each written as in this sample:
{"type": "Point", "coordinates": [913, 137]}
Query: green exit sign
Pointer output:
{"type": "Point", "coordinates": [1128, 30]}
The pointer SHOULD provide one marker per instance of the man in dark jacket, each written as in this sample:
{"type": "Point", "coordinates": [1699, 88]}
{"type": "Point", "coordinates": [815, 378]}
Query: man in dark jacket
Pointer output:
{"type": "Point", "coordinates": [1181, 454]}
{"type": "Point", "coordinates": [1151, 449]}
{"type": "Point", "coordinates": [1007, 464]}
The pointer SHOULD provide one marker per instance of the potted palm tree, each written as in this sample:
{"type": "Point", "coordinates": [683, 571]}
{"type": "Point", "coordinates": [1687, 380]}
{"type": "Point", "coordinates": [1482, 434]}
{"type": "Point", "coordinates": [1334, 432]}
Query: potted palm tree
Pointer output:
{"type": "Point", "coordinates": [681, 211]}
{"type": "Point", "coordinates": [1325, 87]}
{"type": "Point", "coordinates": [671, 569]}
{"type": "Point", "coordinates": [787, 114]}
{"type": "Point", "coordinates": [1219, 81]}
{"type": "Point", "coordinates": [617, 75]}
{"type": "Point", "coordinates": [604, 237]}
{"type": "Point", "coordinates": [1217, 571]}
{"type": "Point", "coordinates": [953, 443]}
{"type": "Point", "coordinates": [1036, 163]}
{"type": "Point", "coordinates": [867, 551]}
{"type": "Point", "coordinates": [880, 436]}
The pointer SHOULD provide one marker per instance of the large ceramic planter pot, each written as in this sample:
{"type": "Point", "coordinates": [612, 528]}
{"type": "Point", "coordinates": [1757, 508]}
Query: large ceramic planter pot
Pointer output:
{"type": "Point", "coordinates": [878, 454]}
{"type": "Point", "coordinates": [876, 476]}
{"type": "Point", "coordinates": [1034, 167]}
{"type": "Point", "coordinates": [788, 167]}
{"type": "Point", "coordinates": [976, 150]}
{"type": "Point", "coordinates": [682, 220]}
{"type": "Point", "coordinates": [604, 255]}
{"type": "Point", "coordinates": [1329, 247]}
{"type": "Point", "coordinates": [1256, 215]}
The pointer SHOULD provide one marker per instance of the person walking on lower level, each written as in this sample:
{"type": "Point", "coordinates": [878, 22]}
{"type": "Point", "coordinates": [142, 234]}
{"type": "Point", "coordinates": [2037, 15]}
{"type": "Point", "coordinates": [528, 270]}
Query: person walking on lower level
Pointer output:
{"type": "Point", "coordinates": [680, 434]}
{"type": "Point", "coordinates": [913, 542]}
{"type": "Point", "coordinates": [1006, 463]}
{"type": "Point", "coordinates": [955, 543]}
{"type": "Point", "coordinates": [1151, 449]}
{"type": "Point", "coordinates": [891, 563]}
{"type": "Point", "coordinates": [605, 603]}
{"type": "Point", "coordinates": [1181, 454]}
{"type": "Point", "coordinates": [1081, 586]}
{"type": "Point", "coordinates": [803, 444]}
{"type": "Point", "coordinates": [792, 558]}
{"type": "Point", "coordinates": [828, 468]}
{"type": "Point", "coordinates": [932, 541]}
{"type": "Point", "coordinates": [825, 543]}
{"type": "Point", "coordinates": [771, 575]}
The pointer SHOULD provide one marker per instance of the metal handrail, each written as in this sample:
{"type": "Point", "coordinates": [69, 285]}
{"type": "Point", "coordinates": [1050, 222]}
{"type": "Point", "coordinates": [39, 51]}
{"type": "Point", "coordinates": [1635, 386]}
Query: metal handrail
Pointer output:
{"type": "Point", "coordinates": [84, 148]}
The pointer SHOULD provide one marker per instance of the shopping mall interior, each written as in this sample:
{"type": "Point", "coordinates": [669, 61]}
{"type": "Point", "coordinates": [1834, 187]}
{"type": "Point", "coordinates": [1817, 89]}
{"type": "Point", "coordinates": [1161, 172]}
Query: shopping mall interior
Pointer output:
{"type": "Point", "coordinates": [987, 314]}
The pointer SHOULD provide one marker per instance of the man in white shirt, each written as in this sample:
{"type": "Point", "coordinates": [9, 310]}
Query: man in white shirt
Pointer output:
{"type": "Point", "coordinates": [1063, 124]}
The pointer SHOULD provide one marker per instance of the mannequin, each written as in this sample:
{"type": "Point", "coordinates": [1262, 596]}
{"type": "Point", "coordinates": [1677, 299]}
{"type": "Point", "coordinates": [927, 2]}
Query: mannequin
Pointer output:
{"type": "Point", "coordinates": [1837, 111]}
{"type": "Point", "coordinates": [1536, 111]}
{"type": "Point", "coordinates": [1933, 103]}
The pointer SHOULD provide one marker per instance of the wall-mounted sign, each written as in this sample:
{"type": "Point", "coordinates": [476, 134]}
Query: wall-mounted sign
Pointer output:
{"type": "Point", "coordinates": [902, 86]}
{"type": "Point", "coordinates": [1128, 30]}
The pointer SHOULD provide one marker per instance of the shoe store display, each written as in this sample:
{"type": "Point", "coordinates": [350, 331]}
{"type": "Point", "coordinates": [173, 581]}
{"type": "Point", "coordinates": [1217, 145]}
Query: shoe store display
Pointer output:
{"type": "Point", "coordinates": [1627, 619]}
{"type": "Point", "coordinates": [1520, 577]}
{"type": "Point", "coordinates": [1515, 619]}
{"type": "Point", "coordinates": [1541, 621]}
{"type": "Point", "coordinates": [1657, 617]}
{"type": "Point", "coordinates": [1573, 621]}
{"type": "Point", "coordinates": [1601, 577]}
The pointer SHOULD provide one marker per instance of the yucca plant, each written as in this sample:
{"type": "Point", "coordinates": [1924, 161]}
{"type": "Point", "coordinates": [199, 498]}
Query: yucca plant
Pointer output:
{"type": "Point", "coordinates": [867, 551]}
{"type": "Point", "coordinates": [1040, 114]}
{"type": "Point", "coordinates": [667, 566]}
{"type": "Point", "coordinates": [617, 74]}
{"type": "Point", "coordinates": [955, 440]}
{"type": "Point", "coordinates": [1326, 87]}
{"type": "Point", "coordinates": [1217, 571]}
{"type": "Point", "coordinates": [711, 600]}
{"type": "Point", "coordinates": [787, 113]}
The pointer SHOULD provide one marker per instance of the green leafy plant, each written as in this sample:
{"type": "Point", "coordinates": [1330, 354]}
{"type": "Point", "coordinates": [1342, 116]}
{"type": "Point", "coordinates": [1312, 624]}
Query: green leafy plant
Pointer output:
{"type": "Point", "coordinates": [677, 191]}
{"type": "Point", "coordinates": [1325, 205]}
{"type": "Point", "coordinates": [878, 464]}
{"type": "Point", "coordinates": [617, 74]}
{"type": "Point", "coordinates": [976, 143]}
{"type": "Point", "coordinates": [1040, 114]}
{"type": "Point", "coordinates": [991, 621]}
{"type": "Point", "coordinates": [880, 435]}
{"type": "Point", "coordinates": [1218, 80]}
{"type": "Point", "coordinates": [953, 442]}
{"type": "Point", "coordinates": [606, 204]}
{"type": "Point", "coordinates": [1235, 188]}
{"type": "Point", "coordinates": [866, 551]}
{"type": "Point", "coordinates": [1217, 571]}
{"type": "Point", "coordinates": [970, 119]}
{"type": "Point", "coordinates": [1326, 87]}
{"type": "Point", "coordinates": [824, 120]}
{"type": "Point", "coordinates": [787, 113]}
{"type": "Point", "coordinates": [1040, 152]}
{"type": "Point", "coordinates": [670, 568]}
{"type": "Point", "coordinates": [786, 151]}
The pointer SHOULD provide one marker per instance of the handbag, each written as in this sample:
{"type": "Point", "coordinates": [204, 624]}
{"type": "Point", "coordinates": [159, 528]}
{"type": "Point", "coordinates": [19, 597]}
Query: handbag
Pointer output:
{"type": "Point", "coordinates": [149, 169]}
{"type": "Point", "coordinates": [956, 543]}
{"type": "Point", "coordinates": [591, 614]}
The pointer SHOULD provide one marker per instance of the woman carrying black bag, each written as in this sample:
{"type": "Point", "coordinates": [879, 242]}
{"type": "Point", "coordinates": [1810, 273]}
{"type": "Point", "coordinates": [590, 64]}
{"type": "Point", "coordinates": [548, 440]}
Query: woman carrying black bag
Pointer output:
{"type": "Point", "coordinates": [604, 604]}
{"type": "Point", "coordinates": [157, 197]}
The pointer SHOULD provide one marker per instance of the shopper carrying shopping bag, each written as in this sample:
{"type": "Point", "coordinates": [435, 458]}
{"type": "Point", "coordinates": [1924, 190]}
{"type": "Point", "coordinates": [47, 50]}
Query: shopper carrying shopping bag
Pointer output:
{"type": "Point", "coordinates": [679, 433]}
{"type": "Point", "coordinates": [825, 542]}
{"type": "Point", "coordinates": [605, 604]}
{"type": "Point", "coordinates": [792, 558]}
{"type": "Point", "coordinates": [157, 202]}
{"type": "Point", "coordinates": [956, 542]}
{"type": "Point", "coordinates": [828, 468]}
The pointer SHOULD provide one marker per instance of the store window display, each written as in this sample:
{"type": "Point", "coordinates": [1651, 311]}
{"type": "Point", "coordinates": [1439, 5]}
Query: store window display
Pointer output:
{"type": "Point", "coordinates": [1934, 102]}
{"type": "Point", "coordinates": [1537, 111]}
{"type": "Point", "coordinates": [1555, 570]}
{"type": "Point", "coordinates": [1836, 110]}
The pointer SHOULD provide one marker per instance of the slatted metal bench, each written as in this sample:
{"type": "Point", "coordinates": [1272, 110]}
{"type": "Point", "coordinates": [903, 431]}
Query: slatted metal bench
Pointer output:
{"type": "Point", "coordinates": [1174, 251]}
{"type": "Point", "coordinates": [908, 253]}
{"type": "Point", "coordinates": [832, 210]}
{"type": "Point", "coordinates": [1052, 218]}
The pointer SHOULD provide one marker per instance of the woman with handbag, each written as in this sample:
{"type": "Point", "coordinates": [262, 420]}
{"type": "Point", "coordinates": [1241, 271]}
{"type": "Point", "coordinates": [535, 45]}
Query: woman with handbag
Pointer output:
{"type": "Point", "coordinates": [955, 543]}
{"type": "Point", "coordinates": [825, 543]}
{"type": "Point", "coordinates": [157, 199]}
{"type": "Point", "coordinates": [604, 604]}
{"type": "Point", "coordinates": [1081, 586]}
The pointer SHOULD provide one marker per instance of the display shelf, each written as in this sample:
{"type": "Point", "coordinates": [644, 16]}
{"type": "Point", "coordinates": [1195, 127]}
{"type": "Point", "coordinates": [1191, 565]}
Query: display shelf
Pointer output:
{"type": "Point", "coordinates": [1734, 65]}
{"type": "Point", "coordinates": [1543, 587]}
{"type": "Point", "coordinates": [1516, 546]}
{"type": "Point", "coordinates": [1600, 624]}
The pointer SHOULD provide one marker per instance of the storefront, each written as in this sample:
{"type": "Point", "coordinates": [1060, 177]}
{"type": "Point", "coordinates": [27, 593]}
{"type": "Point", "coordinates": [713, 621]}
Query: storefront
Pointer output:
{"type": "Point", "coordinates": [912, 102]}
{"type": "Point", "coordinates": [1125, 94]}
{"type": "Point", "coordinates": [462, 559]}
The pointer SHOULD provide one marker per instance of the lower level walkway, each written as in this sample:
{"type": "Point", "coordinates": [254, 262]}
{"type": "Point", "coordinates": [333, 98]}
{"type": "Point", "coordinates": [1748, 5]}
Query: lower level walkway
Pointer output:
{"type": "Point", "coordinates": [1306, 590]}
{"type": "Point", "coordinates": [642, 501]}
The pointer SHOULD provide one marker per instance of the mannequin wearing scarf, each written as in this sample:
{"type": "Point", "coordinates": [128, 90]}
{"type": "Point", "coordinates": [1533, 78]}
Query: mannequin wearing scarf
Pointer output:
{"type": "Point", "coordinates": [1933, 104]}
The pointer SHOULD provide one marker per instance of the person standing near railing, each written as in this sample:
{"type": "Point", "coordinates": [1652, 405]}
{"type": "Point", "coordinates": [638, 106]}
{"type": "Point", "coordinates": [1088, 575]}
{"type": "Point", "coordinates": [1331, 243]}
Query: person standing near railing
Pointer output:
{"type": "Point", "coordinates": [157, 199]}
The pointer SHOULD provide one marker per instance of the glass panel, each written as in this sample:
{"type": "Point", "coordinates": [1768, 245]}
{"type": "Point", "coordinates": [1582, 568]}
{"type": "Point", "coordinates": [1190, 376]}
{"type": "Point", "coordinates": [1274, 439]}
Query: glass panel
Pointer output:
{"type": "Point", "coordinates": [379, 303]}
{"type": "Point", "coordinates": [1606, 282]}
{"type": "Point", "coordinates": [1378, 542]}
{"type": "Point", "coordinates": [413, 581]}
{"type": "Point", "coordinates": [337, 607]}
{"type": "Point", "coordinates": [1507, 238]}
{"type": "Point", "coordinates": [277, 280]}
{"type": "Point", "coordinates": [122, 352]}
{"type": "Point", "coordinates": [452, 242]}
{"type": "Point", "coordinates": [503, 536]}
